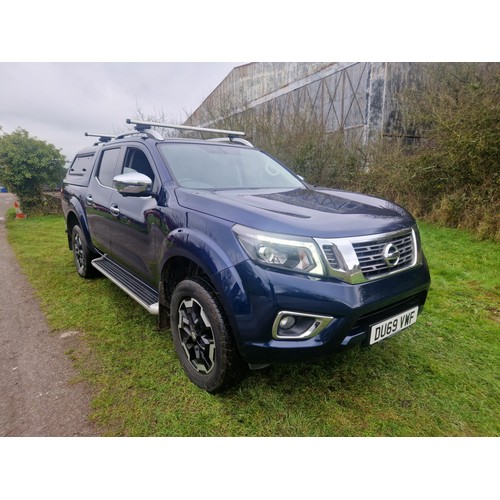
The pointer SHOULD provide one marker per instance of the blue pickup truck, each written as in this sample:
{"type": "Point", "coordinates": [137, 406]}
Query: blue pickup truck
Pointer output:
{"type": "Point", "coordinates": [245, 263]}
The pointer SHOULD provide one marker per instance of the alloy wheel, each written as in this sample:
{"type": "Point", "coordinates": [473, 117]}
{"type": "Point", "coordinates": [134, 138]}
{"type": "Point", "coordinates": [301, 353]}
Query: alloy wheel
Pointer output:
{"type": "Point", "coordinates": [196, 335]}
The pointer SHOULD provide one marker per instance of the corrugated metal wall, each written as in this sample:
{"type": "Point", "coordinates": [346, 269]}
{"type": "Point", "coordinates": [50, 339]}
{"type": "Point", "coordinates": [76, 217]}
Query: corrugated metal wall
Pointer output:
{"type": "Point", "coordinates": [356, 98]}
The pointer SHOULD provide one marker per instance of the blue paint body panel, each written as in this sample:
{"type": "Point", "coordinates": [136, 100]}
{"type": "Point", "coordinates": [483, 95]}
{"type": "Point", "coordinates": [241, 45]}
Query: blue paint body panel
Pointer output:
{"type": "Point", "coordinates": [196, 224]}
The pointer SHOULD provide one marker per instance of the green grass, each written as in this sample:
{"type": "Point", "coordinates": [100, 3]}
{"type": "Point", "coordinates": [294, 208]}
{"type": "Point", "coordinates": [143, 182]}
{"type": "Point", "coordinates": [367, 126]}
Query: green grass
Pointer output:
{"type": "Point", "coordinates": [439, 378]}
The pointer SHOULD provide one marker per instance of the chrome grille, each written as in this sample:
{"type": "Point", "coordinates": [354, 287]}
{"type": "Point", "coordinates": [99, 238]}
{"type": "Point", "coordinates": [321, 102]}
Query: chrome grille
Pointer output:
{"type": "Point", "coordinates": [371, 254]}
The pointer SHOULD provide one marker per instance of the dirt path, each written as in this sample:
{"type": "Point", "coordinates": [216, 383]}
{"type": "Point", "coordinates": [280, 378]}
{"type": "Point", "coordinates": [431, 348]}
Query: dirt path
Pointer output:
{"type": "Point", "coordinates": [38, 394]}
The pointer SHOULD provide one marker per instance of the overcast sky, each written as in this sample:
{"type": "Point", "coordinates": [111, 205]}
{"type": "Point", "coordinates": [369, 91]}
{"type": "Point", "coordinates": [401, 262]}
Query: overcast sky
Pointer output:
{"type": "Point", "coordinates": [58, 102]}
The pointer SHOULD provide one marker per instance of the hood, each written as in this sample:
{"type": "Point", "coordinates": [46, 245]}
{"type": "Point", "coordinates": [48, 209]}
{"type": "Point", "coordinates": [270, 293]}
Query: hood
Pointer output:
{"type": "Point", "coordinates": [321, 213]}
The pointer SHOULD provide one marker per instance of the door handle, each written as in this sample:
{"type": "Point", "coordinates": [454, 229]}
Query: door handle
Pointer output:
{"type": "Point", "coordinates": [114, 210]}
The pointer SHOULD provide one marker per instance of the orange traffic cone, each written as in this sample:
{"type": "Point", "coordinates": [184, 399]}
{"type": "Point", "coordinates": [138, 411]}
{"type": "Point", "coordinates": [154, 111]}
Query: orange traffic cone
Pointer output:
{"type": "Point", "coordinates": [19, 214]}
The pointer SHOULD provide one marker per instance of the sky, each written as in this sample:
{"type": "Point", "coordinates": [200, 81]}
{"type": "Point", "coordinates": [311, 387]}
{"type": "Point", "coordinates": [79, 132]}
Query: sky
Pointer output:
{"type": "Point", "coordinates": [52, 86]}
{"type": "Point", "coordinates": [59, 101]}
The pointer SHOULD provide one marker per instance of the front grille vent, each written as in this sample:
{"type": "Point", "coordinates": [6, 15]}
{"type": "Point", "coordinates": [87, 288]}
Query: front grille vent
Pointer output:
{"type": "Point", "coordinates": [371, 256]}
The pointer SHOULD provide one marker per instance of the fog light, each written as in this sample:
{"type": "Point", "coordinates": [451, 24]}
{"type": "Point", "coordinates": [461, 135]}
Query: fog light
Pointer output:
{"type": "Point", "coordinates": [291, 325]}
{"type": "Point", "coordinates": [287, 322]}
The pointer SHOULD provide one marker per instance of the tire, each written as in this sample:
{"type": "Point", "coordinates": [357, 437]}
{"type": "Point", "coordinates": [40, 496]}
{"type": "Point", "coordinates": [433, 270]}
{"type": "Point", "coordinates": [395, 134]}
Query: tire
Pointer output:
{"type": "Point", "coordinates": [81, 254]}
{"type": "Point", "coordinates": [202, 338]}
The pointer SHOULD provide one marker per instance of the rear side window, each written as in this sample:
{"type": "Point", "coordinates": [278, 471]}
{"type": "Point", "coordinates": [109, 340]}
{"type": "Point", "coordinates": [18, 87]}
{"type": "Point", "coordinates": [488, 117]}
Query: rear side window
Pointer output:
{"type": "Point", "coordinates": [81, 165]}
{"type": "Point", "coordinates": [107, 167]}
{"type": "Point", "coordinates": [80, 170]}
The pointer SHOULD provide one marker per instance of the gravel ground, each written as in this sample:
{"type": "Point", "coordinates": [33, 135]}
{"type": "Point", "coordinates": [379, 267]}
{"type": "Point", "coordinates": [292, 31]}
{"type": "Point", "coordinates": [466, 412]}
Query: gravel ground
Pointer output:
{"type": "Point", "coordinates": [39, 394]}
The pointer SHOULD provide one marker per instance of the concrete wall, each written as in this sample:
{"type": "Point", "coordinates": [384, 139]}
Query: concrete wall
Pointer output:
{"type": "Point", "coordinates": [356, 98]}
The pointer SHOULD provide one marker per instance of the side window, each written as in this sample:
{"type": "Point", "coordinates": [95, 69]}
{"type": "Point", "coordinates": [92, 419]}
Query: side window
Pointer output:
{"type": "Point", "coordinates": [107, 167]}
{"type": "Point", "coordinates": [136, 161]}
{"type": "Point", "coordinates": [81, 165]}
{"type": "Point", "coordinates": [81, 169]}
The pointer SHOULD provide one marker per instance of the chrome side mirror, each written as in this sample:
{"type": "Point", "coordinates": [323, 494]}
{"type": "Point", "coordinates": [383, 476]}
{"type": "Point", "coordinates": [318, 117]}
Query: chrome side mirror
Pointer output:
{"type": "Point", "coordinates": [133, 184]}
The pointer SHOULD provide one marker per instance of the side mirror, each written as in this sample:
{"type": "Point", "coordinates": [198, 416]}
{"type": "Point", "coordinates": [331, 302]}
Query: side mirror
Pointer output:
{"type": "Point", "coordinates": [133, 184]}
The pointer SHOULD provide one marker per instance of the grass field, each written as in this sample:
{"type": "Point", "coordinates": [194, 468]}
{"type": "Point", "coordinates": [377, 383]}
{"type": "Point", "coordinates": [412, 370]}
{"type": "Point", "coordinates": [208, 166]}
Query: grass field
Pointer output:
{"type": "Point", "coordinates": [439, 378]}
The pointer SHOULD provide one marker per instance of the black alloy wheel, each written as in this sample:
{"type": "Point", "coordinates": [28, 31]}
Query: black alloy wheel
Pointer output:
{"type": "Point", "coordinates": [202, 337]}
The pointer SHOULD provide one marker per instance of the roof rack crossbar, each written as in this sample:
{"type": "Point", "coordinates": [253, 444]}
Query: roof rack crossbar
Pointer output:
{"type": "Point", "coordinates": [102, 137]}
{"type": "Point", "coordinates": [140, 125]}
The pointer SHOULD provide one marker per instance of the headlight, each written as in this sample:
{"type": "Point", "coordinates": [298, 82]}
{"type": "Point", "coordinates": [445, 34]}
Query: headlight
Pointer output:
{"type": "Point", "coordinates": [277, 250]}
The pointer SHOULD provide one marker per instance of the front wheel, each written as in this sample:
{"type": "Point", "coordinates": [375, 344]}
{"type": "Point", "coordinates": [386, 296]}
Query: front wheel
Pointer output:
{"type": "Point", "coordinates": [202, 337]}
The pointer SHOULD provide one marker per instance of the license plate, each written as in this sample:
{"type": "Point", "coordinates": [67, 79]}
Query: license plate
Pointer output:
{"type": "Point", "coordinates": [391, 326]}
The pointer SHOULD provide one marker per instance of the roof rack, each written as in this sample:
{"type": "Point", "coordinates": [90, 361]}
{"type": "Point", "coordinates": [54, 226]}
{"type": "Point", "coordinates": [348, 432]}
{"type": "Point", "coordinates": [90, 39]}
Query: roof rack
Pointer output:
{"type": "Point", "coordinates": [143, 129]}
{"type": "Point", "coordinates": [142, 125]}
{"type": "Point", "coordinates": [102, 137]}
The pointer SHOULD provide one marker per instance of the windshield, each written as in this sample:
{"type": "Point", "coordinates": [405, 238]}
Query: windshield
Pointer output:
{"type": "Point", "coordinates": [215, 166]}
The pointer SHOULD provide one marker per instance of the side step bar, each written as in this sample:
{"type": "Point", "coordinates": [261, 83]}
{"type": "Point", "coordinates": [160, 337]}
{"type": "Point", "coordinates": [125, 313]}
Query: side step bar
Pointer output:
{"type": "Point", "coordinates": [139, 291]}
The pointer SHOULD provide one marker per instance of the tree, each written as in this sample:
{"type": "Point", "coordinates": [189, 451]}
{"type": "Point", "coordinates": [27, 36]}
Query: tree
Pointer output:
{"type": "Point", "coordinates": [29, 165]}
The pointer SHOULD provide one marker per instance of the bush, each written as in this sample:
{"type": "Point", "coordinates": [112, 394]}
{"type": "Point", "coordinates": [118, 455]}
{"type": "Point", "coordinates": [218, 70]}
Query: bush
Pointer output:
{"type": "Point", "coordinates": [28, 166]}
{"type": "Point", "coordinates": [451, 175]}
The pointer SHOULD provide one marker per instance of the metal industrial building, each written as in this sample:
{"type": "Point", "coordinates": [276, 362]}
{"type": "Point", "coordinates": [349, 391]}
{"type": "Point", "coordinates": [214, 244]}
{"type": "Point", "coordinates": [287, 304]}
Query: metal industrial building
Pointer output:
{"type": "Point", "coordinates": [357, 98]}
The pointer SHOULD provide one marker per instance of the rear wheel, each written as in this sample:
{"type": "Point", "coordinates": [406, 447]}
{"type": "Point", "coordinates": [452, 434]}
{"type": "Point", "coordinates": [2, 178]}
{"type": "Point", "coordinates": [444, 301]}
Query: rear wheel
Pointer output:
{"type": "Point", "coordinates": [81, 253]}
{"type": "Point", "coordinates": [202, 337]}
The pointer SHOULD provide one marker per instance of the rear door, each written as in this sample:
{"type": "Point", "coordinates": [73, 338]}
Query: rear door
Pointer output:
{"type": "Point", "coordinates": [99, 195]}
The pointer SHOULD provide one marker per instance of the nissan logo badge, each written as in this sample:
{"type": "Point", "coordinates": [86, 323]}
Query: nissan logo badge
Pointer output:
{"type": "Point", "coordinates": [391, 255]}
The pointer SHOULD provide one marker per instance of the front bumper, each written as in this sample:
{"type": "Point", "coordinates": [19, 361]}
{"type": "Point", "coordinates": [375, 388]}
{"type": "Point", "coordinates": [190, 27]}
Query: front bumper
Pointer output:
{"type": "Point", "coordinates": [263, 294]}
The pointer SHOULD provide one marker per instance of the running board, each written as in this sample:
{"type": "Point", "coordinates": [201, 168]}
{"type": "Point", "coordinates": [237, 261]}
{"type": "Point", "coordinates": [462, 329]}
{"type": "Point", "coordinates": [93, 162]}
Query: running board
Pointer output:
{"type": "Point", "coordinates": [139, 291]}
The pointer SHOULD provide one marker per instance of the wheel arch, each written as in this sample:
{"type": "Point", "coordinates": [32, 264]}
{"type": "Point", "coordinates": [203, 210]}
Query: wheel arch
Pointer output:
{"type": "Point", "coordinates": [76, 216]}
{"type": "Point", "coordinates": [188, 253]}
{"type": "Point", "coordinates": [175, 270]}
{"type": "Point", "coordinates": [183, 266]}
{"type": "Point", "coordinates": [71, 222]}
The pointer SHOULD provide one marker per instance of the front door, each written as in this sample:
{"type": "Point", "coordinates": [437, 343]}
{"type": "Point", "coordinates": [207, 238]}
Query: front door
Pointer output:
{"type": "Point", "coordinates": [133, 221]}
